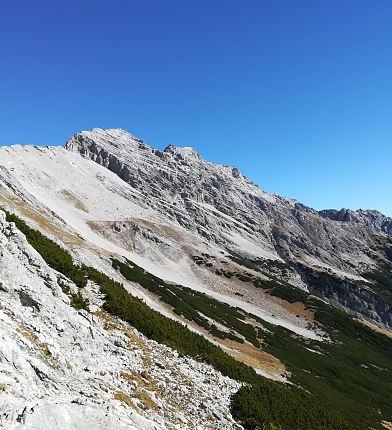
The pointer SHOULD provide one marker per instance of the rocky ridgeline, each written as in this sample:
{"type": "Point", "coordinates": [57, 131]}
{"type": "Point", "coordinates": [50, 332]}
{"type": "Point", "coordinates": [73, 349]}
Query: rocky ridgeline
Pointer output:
{"type": "Point", "coordinates": [63, 369]}
{"type": "Point", "coordinates": [370, 218]}
{"type": "Point", "coordinates": [220, 203]}
{"type": "Point", "coordinates": [225, 208]}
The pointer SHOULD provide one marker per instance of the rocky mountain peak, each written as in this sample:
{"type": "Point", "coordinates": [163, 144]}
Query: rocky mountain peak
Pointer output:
{"type": "Point", "coordinates": [115, 137]}
{"type": "Point", "coordinates": [112, 134]}
{"type": "Point", "coordinates": [370, 218]}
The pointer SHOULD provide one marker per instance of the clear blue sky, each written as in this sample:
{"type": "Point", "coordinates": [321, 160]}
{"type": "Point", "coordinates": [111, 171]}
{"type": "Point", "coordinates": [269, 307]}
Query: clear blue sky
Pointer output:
{"type": "Point", "coordinates": [297, 94]}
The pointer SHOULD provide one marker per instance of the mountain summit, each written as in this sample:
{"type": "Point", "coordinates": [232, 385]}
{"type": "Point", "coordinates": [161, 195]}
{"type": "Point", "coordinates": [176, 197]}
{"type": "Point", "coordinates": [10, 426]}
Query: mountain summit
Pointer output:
{"type": "Point", "coordinates": [139, 247]}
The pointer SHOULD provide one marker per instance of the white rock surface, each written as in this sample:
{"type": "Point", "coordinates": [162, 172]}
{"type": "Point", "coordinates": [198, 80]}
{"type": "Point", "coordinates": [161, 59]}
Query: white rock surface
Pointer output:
{"type": "Point", "coordinates": [61, 369]}
{"type": "Point", "coordinates": [80, 196]}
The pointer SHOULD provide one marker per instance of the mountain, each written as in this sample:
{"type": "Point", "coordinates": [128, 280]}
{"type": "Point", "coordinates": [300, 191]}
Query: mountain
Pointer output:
{"type": "Point", "coordinates": [227, 210]}
{"type": "Point", "coordinates": [303, 297]}
{"type": "Point", "coordinates": [370, 218]}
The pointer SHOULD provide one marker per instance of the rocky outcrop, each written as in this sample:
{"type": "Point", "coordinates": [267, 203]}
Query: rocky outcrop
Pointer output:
{"type": "Point", "coordinates": [370, 218]}
{"type": "Point", "coordinates": [62, 369]}
{"type": "Point", "coordinates": [358, 298]}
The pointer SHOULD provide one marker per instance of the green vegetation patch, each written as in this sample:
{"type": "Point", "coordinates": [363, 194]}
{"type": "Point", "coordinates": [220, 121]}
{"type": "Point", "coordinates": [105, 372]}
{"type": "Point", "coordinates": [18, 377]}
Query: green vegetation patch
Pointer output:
{"type": "Point", "coordinates": [266, 266]}
{"type": "Point", "coordinates": [77, 300]}
{"type": "Point", "coordinates": [353, 372]}
{"type": "Point", "coordinates": [193, 305]}
{"type": "Point", "coordinates": [55, 256]}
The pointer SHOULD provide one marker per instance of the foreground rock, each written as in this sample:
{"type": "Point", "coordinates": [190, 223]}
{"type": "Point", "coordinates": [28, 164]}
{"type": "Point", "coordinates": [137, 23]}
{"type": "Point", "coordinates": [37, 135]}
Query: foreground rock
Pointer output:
{"type": "Point", "coordinates": [62, 369]}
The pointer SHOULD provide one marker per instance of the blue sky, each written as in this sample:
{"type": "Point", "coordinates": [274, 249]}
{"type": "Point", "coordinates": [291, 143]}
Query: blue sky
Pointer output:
{"type": "Point", "coordinates": [297, 94]}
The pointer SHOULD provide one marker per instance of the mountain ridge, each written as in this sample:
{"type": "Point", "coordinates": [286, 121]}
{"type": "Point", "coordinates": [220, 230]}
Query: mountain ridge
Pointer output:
{"type": "Point", "coordinates": [285, 230]}
{"type": "Point", "coordinates": [118, 133]}
{"type": "Point", "coordinates": [332, 213]}
{"type": "Point", "coordinates": [259, 275]}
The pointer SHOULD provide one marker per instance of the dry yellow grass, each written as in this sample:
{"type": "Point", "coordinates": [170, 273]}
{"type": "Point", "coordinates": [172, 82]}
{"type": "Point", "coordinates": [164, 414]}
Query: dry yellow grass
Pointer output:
{"type": "Point", "coordinates": [143, 381]}
{"type": "Point", "coordinates": [124, 398]}
{"type": "Point", "coordinates": [376, 328]}
{"type": "Point", "coordinates": [145, 398]}
{"type": "Point", "coordinates": [41, 346]}
{"type": "Point", "coordinates": [15, 204]}
{"type": "Point", "coordinates": [134, 339]}
{"type": "Point", "coordinates": [164, 229]}
{"type": "Point", "coordinates": [45, 350]}
{"type": "Point", "coordinates": [112, 323]}
{"type": "Point", "coordinates": [255, 357]}
{"type": "Point", "coordinates": [133, 376]}
{"type": "Point", "coordinates": [28, 334]}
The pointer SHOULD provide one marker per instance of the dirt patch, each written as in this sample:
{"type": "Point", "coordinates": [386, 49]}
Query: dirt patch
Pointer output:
{"type": "Point", "coordinates": [125, 239]}
{"type": "Point", "coordinates": [74, 200]}
{"type": "Point", "coordinates": [254, 357]}
{"type": "Point", "coordinates": [298, 308]}
{"type": "Point", "coordinates": [162, 229]}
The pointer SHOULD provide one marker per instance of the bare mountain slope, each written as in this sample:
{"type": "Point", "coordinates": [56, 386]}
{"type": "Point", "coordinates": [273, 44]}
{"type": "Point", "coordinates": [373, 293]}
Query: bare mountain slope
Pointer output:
{"type": "Point", "coordinates": [165, 209]}
{"type": "Point", "coordinates": [61, 369]}
{"type": "Point", "coordinates": [106, 216]}
{"type": "Point", "coordinates": [371, 218]}
{"type": "Point", "coordinates": [224, 208]}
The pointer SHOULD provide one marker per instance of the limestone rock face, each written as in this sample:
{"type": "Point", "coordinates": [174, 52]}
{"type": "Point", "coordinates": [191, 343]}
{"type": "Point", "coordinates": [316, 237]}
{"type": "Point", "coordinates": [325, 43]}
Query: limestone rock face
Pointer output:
{"type": "Point", "coordinates": [225, 208]}
{"type": "Point", "coordinates": [61, 369]}
{"type": "Point", "coordinates": [370, 218]}
{"type": "Point", "coordinates": [219, 203]}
